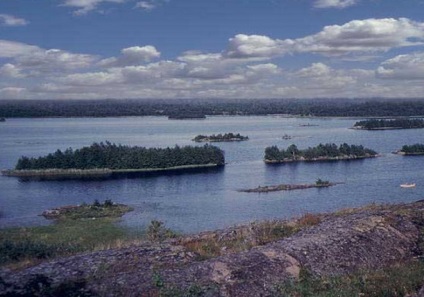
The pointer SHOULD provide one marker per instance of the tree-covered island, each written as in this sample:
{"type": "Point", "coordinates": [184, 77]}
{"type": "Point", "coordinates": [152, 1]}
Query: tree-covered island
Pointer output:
{"type": "Point", "coordinates": [107, 158]}
{"type": "Point", "coordinates": [227, 137]}
{"type": "Point", "coordinates": [389, 124]}
{"type": "Point", "coordinates": [411, 150]}
{"type": "Point", "coordinates": [322, 152]}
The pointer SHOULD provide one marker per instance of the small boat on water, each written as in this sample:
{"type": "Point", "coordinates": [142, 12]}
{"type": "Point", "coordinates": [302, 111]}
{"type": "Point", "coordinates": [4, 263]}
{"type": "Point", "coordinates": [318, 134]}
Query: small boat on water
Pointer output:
{"type": "Point", "coordinates": [408, 185]}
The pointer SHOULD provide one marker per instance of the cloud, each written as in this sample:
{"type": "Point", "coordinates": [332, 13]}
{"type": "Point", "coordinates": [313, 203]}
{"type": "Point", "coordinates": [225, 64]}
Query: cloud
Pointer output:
{"type": "Point", "coordinates": [404, 67]}
{"type": "Point", "coordinates": [256, 46]}
{"type": "Point", "coordinates": [85, 6]}
{"type": "Point", "coordinates": [352, 38]}
{"type": "Point", "coordinates": [12, 21]}
{"type": "Point", "coordinates": [368, 35]}
{"type": "Point", "coordinates": [11, 49]}
{"type": "Point", "coordinates": [334, 3]}
{"type": "Point", "coordinates": [132, 56]}
{"type": "Point", "coordinates": [35, 60]}
{"type": "Point", "coordinates": [10, 71]}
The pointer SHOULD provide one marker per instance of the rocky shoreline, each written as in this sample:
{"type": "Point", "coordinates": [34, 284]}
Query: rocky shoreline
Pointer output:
{"type": "Point", "coordinates": [94, 173]}
{"type": "Point", "coordinates": [320, 159]}
{"type": "Point", "coordinates": [286, 187]}
{"type": "Point", "coordinates": [371, 237]}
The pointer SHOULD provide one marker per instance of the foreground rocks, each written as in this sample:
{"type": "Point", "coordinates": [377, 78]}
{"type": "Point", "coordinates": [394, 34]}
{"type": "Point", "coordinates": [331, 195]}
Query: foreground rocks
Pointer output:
{"type": "Point", "coordinates": [369, 238]}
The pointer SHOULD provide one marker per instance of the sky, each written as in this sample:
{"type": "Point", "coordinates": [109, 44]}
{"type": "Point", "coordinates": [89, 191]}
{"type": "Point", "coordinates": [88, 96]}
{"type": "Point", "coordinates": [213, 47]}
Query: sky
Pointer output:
{"type": "Point", "coordinates": [102, 49]}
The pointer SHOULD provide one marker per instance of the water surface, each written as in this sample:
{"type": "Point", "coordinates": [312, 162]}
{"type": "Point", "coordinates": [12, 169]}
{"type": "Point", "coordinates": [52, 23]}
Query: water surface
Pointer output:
{"type": "Point", "coordinates": [207, 201]}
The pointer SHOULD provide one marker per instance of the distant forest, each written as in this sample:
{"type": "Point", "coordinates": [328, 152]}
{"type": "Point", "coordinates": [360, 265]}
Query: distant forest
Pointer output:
{"type": "Point", "coordinates": [111, 156]}
{"type": "Point", "coordinates": [186, 107]}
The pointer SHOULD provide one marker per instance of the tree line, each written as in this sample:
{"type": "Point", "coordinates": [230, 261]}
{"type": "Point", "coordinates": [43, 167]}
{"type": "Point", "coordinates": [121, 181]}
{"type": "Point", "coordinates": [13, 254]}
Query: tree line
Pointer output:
{"type": "Point", "coordinates": [404, 123]}
{"type": "Point", "coordinates": [221, 137]}
{"type": "Point", "coordinates": [417, 148]}
{"type": "Point", "coordinates": [329, 150]}
{"type": "Point", "coordinates": [189, 107]}
{"type": "Point", "coordinates": [112, 156]}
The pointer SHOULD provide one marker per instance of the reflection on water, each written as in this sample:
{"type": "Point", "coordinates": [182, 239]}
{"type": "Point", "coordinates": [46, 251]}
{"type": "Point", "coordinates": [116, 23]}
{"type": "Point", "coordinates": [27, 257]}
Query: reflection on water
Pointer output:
{"type": "Point", "coordinates": [200, 200]}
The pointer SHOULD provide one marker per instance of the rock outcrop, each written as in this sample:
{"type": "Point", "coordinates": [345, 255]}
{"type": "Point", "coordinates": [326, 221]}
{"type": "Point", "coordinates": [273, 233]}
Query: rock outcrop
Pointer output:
{"type": "Point", "coordinates": [369, 238]}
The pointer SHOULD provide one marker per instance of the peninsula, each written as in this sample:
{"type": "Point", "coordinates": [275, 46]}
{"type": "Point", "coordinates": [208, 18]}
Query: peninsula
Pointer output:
{"type": "Point", "coordinates": [322, 152]}
{"type": "Point", "coordinates": [104, 159]}
{"type": "Point", "coordinates": [389, 124]}
{"type": "Point", "coordinates": [227, 137]}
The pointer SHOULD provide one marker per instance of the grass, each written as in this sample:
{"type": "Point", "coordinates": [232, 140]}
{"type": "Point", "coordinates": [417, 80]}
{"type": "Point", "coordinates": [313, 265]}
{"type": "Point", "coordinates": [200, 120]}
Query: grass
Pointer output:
{"type": "Point", "coordinates": [108, 209]}
{"type": "Point", "coordinates": [245, 238]}
{"type": "Point", "coordinates": [395, 281]}
{"type": "Point", "coordinates": [23, 246]}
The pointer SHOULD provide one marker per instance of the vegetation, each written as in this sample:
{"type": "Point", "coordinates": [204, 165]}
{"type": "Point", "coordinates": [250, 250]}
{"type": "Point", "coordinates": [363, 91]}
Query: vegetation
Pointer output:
{"type": "Point", "coordinates": [284, 187]}
{"type": "Point", "coordinates": [88, 211]}
{"type": "Point", "coordinates": [64, 237]}
{"type": "Point", "coordinates": [255, 234]}
{"type": "Point", "coordinates": [385, 124]}
{"type": "Point", "coordinates": [396, 281]}
{"type": "Point", "coordinates": [2, 120]}
{"type": "Point", "coordinates": [322, 183]}
{"type": "Point", "coordinates": [415, 149]}
{"type": "Point", "coordinates": [112, 156]}
{"type": "Point", "coordinates": [329, 151]}
{"type": "Point", "coordinates": [157, 231]}
{"type": "Point", "coordinates": [220, 137]}
{"type": "Point", "coordinates": [173, 108]}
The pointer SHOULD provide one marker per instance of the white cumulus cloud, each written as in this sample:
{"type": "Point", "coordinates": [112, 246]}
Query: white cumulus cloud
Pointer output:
{"type": "Point", "coordinates": [368, 35]}
{"type": "Point", "coordinates": [135, 55]}
{"type": "Point", "coordinates": [406, 67]}
{"type": "Point", "coordinates": [85, 6]}
{"type": "Point", "coordinates": [334, 3]}
{"type": "Point", "coordinates": [12, 21]}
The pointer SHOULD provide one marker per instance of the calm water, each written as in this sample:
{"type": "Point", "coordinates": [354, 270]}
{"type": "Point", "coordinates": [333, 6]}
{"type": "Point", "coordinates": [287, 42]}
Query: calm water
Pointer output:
{"type": "Point", "coordinates": [206, 201]}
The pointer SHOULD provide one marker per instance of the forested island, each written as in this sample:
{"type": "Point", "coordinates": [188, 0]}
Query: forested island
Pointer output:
{"type": "Point", "coordinates": [105, 158]}
{"type": "Point", "coordinates": [411, 150]}
{"type": "Point", "coordinates": [389, 124]}
{"type": "Point", "coordinates": [322, 152]}
{"type": "Point", "coordinates": [227, 137]}
{"type": "Point", "coordinates": [187, 108]}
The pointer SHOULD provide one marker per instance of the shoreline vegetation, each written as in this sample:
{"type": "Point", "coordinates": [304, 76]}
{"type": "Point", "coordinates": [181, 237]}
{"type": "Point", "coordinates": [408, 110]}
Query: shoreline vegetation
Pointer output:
{"type": "Point", "coordinates": [106, 159]}
{"type": "Point", "coordinates": [289, 187]}
{"type": "Point", "coordinates": [108, 209]}
{"type": "Point", "coordinates": [227, 137]}
{"type": "Point", "coordinates": [389, 124]}
{"type": "Point", "coordinates": [97, 172]}
{"type": "Point", "coordinates": [411, 150]}
{"type": "Point", "coordinates": [322, 152]}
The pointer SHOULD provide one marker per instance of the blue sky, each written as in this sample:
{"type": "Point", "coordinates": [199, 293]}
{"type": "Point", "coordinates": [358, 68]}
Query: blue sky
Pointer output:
{"type": "Point", "coordinates": [94, 49]}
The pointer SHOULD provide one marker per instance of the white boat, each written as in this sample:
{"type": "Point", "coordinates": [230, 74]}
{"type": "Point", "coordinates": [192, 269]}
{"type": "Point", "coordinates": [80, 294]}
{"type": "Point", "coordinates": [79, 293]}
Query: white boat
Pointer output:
{"type": "Point", "coordinates": [408, 185]}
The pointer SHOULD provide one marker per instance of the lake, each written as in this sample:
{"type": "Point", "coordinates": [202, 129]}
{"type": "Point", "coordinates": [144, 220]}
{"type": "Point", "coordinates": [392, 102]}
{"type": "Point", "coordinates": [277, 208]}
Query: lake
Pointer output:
{"type": "Point", "coordinates": [200, 201]}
